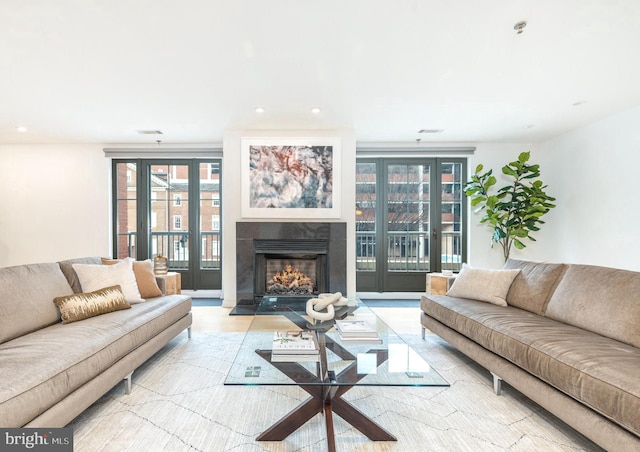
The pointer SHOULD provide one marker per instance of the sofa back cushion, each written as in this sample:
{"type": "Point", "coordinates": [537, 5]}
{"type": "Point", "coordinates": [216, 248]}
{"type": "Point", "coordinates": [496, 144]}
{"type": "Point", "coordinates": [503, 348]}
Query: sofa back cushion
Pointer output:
{"type": "Point", "coordinates": [26, 298]}
{"type": "Point", "coordinates": [599, 299]}
{"type": "Point", "coordinates": [532, 288]}
{"type": "Point", "coordinates": [70, 273]}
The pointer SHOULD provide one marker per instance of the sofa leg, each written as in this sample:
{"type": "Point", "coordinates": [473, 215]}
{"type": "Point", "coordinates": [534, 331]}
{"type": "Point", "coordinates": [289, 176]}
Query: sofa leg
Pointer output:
{"type": "Point", "coordinates": [189, 332]}
{"type": "Point", "coordinates": [497, 384]}
{"type": "Point", "coordinates": [423, 331]}
{"type": "Point", "coordinates": [127, 383]}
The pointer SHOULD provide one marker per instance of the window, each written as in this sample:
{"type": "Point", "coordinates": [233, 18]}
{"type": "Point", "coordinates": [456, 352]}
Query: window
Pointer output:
{"type": "Point", "coordinates": [177, 222]}
{"type": "Point", "coordinates": [215, 202]}
{"type": "Point", "coordinates": [177, 199]}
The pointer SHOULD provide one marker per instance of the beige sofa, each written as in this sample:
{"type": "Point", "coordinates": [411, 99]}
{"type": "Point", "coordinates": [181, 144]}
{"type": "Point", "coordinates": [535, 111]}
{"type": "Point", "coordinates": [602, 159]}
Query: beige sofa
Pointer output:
{"type": "Point", "coordinates": [569, 339]}
{"type": "Point", "coordinates": [49, 371]}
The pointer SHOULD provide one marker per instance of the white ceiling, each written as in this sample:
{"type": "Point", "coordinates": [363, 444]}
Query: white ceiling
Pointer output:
{"type": "Point", "coordinates": [97, 71]}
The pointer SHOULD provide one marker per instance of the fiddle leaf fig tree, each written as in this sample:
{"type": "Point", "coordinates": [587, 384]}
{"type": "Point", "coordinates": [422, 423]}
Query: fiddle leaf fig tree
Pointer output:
{"type": "Point", "coordinates": [515, 210]}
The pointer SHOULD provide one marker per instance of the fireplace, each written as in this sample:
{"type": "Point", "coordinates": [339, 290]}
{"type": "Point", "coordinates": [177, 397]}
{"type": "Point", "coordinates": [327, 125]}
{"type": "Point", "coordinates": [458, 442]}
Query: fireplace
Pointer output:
{"type": "Point", "coordinates": [290, 267]}
{"type": "Point", "coordinates": [309, 257]}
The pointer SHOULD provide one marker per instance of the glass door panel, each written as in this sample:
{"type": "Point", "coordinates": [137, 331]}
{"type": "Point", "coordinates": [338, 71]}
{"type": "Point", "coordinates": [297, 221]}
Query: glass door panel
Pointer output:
{"type": "Point", "coordinates": [126, 211]}
{"type": "Point", "coordinates": [408, 188]}
{"type": "Point", "coordinates": [366, 207]}
{"type": "Point", "coordinates": [452, 181]}
{"type": "Point", "coordinates": [209, 257]}
{"type": "Point", "coordinates": [169, 229]}
{"type": "Point", "coordinates": [367, 228]}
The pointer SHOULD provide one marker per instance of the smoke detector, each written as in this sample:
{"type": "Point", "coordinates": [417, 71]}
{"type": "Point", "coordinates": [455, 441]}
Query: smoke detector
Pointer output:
{"type": "Point", "coordinates": [519, 27]}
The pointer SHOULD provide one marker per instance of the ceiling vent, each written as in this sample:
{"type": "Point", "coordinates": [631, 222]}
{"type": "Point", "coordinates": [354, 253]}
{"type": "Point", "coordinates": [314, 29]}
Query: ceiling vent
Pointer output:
{"type": "Point", "coordinates": [430, 130]}
{"type": "Point", "coordinates": [150, 132]}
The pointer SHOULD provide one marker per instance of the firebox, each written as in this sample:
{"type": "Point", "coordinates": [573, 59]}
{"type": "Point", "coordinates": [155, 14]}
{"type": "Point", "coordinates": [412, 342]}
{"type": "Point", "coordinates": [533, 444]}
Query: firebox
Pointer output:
{"type": "Point", "coordinates": [290, 267]}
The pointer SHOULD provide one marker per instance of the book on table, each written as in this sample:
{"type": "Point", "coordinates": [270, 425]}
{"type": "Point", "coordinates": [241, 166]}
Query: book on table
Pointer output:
{"type": "Point", "coordinates": [295, 343]}
{"type": "Point", "coordinates": [361, 340]}
{"type": "Point", "coordinates": [355, 328]}
{"type": "Point", "coordinates": [294, 358]}
{"type": "Point", "coordinates": [357, 331]}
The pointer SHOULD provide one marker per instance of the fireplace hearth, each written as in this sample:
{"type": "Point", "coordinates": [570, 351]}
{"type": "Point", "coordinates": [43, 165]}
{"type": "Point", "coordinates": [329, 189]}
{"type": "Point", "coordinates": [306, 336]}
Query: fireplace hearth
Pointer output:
{"type": "Point", "coordinates": [289, 259]}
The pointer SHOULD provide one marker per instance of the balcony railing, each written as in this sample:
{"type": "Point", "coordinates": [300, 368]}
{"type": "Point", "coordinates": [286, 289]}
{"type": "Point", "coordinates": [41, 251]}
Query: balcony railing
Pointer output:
{"type": "Point", "coordinates": [408, 251]}
{"type": "Point", "coordinates": [174, 246]}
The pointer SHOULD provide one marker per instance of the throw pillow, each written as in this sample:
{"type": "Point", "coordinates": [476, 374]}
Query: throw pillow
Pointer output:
{"type": "Point", "coordinates": [146, 280]}
{"type": "Point", "coordinates": [81, 306]}
{"type": "Point", "coordinates": [480, 284]}
{"type": "Point", "coordinates": [94, 277]}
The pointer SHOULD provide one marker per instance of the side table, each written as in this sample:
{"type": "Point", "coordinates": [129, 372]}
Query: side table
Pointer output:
{"type": "Point", "coordinates": [170, 284]}
{"type": "Point", "coordinates": [439, 284]}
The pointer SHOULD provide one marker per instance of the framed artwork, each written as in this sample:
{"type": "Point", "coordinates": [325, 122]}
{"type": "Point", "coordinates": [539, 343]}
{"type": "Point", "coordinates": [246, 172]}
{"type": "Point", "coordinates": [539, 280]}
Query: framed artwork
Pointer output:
{"type": "Point", "coordinates": [290, 177]}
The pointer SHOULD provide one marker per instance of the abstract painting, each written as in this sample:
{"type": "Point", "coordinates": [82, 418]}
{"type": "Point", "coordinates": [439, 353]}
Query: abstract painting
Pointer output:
{"type": "Point", "coordinates": [290, 177]}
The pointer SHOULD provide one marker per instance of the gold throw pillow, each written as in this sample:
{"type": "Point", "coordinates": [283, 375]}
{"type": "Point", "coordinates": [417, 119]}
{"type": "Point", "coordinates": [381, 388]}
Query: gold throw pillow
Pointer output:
{"type": "Point", "coordinates": [81, 306]}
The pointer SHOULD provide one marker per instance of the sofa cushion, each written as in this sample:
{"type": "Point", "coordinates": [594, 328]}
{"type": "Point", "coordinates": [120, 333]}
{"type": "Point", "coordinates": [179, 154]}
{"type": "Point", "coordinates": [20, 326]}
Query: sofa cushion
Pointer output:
{"type": "Point", "coordinates": [532, 288]}
{"type": "Point", "coordinates": [80, 306]}
{"type": "Point", "coordinates": [68, 356]}
{"type": "Point", "coordinates": [69, 273]}
{"type": "Point", "coordinates": [599, 299]}
{"type": "Point", "coordinates": [598, 371]}
{"type": "Point", "coordinates": [94, 277]}
{"type": "Point", "coordinates": [482, 284]}
{"type": "Point", "coordinates": [26, 292]}
{"type": "Point", "coordinates": [146, 280]}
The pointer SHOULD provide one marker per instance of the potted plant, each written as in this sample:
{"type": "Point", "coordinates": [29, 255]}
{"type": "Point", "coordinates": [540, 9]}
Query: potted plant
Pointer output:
{"type": "Point", "coordinates": [515, 210]}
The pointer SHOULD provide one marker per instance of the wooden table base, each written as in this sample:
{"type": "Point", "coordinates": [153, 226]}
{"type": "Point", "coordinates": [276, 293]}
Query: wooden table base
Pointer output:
{"type": "Point", "coordinates": [326, 399]}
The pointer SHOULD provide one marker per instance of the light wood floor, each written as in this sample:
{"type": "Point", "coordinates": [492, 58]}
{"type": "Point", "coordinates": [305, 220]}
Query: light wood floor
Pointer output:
{"type": "Point", "coordinates": [216, 318]}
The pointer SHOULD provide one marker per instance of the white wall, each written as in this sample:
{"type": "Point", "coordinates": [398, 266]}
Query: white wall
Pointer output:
{"type": "Point", "coordinates": [56, 199]}
{"type": "Point", "coordinates": [231, 206]}
{"type": "Point", "coordinates": [55, 203]}
{"type": "Point", "coordinates": [595, 170]}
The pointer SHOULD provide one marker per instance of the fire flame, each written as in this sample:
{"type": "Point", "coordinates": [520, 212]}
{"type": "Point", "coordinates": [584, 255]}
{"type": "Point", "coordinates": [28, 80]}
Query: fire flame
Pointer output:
{"type": "Point", "coordinates": [291, 277]}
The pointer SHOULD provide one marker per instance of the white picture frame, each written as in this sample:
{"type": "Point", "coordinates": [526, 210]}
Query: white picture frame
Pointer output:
{"type": "Point", "coordinates": [290, 178]}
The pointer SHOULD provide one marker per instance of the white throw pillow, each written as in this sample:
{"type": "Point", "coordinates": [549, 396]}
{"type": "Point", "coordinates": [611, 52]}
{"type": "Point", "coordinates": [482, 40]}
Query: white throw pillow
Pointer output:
{"type": "Point", "coordinates": [96, 277]}
{"type": "Point", "coordinates": [480, 284]}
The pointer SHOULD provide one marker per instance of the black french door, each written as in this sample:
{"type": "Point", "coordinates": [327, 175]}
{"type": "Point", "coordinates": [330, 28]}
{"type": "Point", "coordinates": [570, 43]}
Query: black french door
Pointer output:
{"type": "Point", "coordinates": [409, 221]}
{"type": "Point", "coordinates": [170, 208]}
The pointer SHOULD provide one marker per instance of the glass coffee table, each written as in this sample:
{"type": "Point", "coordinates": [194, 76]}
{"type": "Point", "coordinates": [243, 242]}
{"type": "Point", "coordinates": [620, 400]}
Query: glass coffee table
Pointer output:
{"type": "Point", "coordinates": [341, 364]}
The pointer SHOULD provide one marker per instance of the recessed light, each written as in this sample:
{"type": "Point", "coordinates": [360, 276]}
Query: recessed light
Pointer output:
{"type": "Point", "coordinates": [315, 110]}
{"type": "Point", "coordinates": [21, 129]}
{"type": "Point", "coordinates": [259, 109]}
{"type": "Point", "coordinates": [430, 130]}
{"type": "Point", "coordinates": [150, 132]}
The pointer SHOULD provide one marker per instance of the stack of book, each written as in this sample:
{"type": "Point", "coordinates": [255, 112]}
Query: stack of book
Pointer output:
{"type": "Point", "coordinates": [357, 331]}
{"type": "Point", "coordinates": [293, 346]}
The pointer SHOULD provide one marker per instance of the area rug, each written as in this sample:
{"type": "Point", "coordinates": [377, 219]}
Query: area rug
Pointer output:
{"type": "Point", "coordinates": [179, 403]}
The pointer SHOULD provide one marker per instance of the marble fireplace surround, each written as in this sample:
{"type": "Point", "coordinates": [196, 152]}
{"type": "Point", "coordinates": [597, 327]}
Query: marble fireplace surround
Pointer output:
{"type": "Point", "coordinates": [335, 233]}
